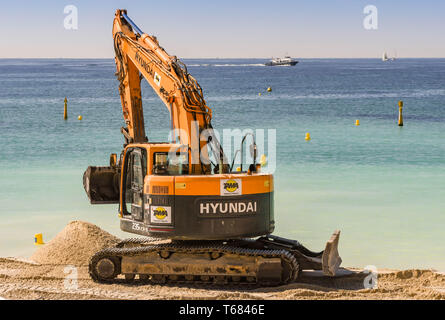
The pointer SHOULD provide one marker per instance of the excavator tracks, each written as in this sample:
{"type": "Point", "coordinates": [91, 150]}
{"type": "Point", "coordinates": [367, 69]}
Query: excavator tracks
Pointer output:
{"type": "Point", "coordinates": [188, 262]}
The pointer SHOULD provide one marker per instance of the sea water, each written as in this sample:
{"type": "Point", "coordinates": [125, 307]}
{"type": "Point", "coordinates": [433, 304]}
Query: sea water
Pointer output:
{"type": "Point", "coordinates": [382, 185]}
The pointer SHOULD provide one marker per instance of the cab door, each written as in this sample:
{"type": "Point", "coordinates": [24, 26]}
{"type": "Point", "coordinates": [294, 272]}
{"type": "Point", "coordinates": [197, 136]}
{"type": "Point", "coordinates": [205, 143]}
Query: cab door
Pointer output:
{"type": "Point", "coordinates": [134, 183]}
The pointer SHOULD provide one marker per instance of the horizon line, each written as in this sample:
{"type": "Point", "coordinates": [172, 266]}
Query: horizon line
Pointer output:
{"type": "Point", "coordinates": [220, 58]}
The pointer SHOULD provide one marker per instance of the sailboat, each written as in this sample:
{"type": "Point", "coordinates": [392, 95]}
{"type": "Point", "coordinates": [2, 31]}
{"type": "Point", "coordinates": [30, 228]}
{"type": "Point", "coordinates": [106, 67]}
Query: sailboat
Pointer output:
{"type": "Point", "coordinates": [386, 58]}
{"type": "Point", "coordinates": [394, 57]}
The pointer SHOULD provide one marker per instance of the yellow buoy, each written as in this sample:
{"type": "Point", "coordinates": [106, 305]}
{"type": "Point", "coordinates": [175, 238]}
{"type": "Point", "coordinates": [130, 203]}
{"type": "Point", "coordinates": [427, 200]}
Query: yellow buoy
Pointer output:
{"type": "Point", "coordinates": [38, 239]}
{"type": "Point", "coordinates": [259, 93]}
{"type": "Point", "coordinates": [357, 122]}
{"type": "Point", "coordinates": [400, 113]}
{"type": "Point", "coordinates": [79, 118]}
{"type": "Point", "coordinates": [269, 89]}
{"type": "Point", "coordinates": [308, 136]}
{"type": "Point", "coordinates": [65, 109]}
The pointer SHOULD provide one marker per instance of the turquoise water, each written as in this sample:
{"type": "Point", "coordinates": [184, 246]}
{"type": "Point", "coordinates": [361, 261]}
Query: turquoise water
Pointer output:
{"type": "Point", "coordinates": [382, 185]}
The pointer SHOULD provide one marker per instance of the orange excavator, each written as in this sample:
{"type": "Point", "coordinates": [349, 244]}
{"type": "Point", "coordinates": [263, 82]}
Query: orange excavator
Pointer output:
{"type": "Point", "coordinates": [201, 220]}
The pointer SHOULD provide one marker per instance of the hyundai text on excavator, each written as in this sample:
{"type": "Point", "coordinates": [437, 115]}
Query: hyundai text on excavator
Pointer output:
{"type": "Point", "coordinates": [216, 222]}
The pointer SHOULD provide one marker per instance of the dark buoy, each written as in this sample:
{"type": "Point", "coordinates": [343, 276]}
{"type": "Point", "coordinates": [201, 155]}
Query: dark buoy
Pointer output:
{"type": "Point", "coordinates": [65, 110]}
{"type": "Point", "coordinates": [400, 113]}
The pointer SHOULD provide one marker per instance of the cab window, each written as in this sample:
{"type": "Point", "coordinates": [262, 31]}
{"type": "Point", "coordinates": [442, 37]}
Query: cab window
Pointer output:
{"type": "Point", "coordinates": [165, 163]}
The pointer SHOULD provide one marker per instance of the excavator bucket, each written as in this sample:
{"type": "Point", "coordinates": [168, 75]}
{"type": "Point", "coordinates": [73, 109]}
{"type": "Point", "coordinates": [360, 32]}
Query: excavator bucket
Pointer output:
{"type": "Point", "coordinates": [101, 185]}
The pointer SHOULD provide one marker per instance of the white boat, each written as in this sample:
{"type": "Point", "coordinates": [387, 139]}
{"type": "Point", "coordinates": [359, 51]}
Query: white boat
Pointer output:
{"type": "Point", "coordinates": [286, 61]}
{"type": "Point", "coordinates": [394, 57]}
{"type": "Point", "coordinates": [386, 58]}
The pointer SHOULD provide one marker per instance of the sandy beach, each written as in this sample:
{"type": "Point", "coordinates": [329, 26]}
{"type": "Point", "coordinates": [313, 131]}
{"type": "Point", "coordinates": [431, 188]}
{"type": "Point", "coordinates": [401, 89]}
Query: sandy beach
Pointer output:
{"type": "Point", "coordinates": [214, 153]}
{"type": "Point", "coordinates": [46, 276]}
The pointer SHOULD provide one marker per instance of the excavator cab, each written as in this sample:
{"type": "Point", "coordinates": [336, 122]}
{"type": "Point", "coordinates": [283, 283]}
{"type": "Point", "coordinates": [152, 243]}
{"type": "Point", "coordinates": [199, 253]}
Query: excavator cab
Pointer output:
{"type": "Point", "coordinates": [160, 198]}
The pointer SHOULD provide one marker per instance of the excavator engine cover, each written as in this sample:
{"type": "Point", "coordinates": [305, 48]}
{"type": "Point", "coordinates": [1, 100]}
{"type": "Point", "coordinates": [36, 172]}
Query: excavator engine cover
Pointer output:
{"type": "Point", "coordinates": [191, 217]}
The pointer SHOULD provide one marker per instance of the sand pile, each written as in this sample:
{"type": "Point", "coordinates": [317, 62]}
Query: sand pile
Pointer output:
{"type": "Point", "coordinates": [74, 245]}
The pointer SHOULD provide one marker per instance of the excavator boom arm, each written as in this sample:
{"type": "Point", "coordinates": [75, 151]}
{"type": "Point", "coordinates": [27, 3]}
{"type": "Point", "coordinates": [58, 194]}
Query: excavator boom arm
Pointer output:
{"type": "Point", "coordinates": [139, 55]}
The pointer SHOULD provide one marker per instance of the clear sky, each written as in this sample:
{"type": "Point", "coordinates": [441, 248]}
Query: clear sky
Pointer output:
{"type": "Point", "coordinates": [228, 29]}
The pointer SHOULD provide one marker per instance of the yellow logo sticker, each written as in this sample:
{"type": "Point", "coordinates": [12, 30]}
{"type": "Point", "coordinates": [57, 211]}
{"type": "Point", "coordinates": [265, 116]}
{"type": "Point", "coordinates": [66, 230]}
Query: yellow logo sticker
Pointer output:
{"type": "Point", "coordinates": [160, 213]}
{"type": "Point", "coordinates": [157, 79]}
{"type": "Point", "coordinates": [231, 187]}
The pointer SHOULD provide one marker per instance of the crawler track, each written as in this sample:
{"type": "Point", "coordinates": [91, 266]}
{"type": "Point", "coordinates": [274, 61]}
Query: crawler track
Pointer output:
{"type": "Point", "coordinates": [194, 262]}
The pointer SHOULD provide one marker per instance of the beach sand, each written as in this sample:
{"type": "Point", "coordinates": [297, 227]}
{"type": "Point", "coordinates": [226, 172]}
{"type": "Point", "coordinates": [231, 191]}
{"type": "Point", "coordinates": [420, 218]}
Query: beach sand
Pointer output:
{"type": "Point", "coordinates": [44, 276]}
